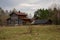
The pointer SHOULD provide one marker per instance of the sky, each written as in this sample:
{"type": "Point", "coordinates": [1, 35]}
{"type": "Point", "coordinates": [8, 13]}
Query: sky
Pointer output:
{"type": "Point", "coordinates": [27, 6]}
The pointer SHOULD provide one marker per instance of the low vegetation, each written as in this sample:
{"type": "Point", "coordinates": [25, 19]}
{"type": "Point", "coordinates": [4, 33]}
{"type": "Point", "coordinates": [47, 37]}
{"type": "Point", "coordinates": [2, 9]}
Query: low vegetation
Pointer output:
{"type": "Point", "coordinates": [38, 32]}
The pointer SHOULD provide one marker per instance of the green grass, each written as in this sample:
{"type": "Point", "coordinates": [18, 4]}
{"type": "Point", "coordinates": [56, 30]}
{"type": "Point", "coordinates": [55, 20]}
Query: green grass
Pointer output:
{"type": "Point", "coordinates": [39, 32]}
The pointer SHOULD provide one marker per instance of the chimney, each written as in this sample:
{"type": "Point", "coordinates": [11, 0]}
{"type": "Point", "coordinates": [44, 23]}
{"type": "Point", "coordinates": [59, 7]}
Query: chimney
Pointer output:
{"type": "Point", "coordinates": [19, 11]}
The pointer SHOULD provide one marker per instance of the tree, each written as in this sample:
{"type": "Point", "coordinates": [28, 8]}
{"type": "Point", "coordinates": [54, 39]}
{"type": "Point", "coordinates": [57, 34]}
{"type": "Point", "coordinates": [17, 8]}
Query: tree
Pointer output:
{"type": "Point", "coordinates": [14, 10]}
{"type": "Point", "coordinates": [41, 14]}
{"type": "Point", "coordinates": [3, 17]}
{"type": "Point", "coordinates": [55, 13]}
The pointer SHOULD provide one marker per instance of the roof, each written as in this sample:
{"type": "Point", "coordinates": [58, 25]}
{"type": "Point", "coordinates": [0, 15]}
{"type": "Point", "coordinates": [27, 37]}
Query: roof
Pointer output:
{"type": "Point", "coordinates": [42, 21]}
{"type": "Point", "coordinates": [20, 13]}
{"type": "Point", "coordinates": [13, 13]}
{"type": "Point", "coordinates": [25, 18]}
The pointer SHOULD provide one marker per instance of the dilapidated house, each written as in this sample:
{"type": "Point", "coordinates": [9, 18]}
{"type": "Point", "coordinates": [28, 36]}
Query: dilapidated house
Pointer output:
{"type": "Point", "coordinates": [18, 18]}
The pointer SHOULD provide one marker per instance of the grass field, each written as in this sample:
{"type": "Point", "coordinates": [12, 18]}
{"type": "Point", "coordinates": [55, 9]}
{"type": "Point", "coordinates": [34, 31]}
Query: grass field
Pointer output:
{"type": "Point", "coordinates": [39, 32]}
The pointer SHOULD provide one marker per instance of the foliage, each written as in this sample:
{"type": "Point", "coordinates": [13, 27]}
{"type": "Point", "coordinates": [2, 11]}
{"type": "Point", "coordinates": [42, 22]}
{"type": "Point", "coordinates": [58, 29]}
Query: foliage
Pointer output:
{"type": "Point", "coordinates": [55, 15]}
{"type": "Point", "coordinates": [42, 14]}
{"type": "Point", "coordinates": [3, 17]}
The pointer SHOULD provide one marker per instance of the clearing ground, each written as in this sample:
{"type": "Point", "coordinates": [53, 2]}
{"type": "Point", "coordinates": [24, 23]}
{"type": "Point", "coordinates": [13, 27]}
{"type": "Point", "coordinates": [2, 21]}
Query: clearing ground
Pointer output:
{"type": "Point", "coordinates": [38, 32]}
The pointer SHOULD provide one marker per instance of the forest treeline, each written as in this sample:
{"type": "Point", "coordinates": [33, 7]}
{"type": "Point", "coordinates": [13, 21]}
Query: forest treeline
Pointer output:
{"type": "Point", "coordinates": [50, 13]}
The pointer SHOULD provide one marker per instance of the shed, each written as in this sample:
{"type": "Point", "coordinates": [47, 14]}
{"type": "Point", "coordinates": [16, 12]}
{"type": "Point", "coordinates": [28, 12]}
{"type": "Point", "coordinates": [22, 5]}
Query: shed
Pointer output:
{"type": "Point", "coordinates": [42, 21]}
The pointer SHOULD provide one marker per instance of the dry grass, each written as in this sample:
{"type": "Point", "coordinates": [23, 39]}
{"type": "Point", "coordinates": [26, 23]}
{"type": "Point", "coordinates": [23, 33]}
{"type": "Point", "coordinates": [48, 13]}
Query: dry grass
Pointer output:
{"type": "Point", "coordinates": [39, 32]}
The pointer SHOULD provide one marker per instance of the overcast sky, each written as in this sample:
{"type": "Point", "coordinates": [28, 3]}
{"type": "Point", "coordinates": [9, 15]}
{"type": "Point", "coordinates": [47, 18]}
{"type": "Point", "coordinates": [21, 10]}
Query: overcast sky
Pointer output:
{"type": "Point", "coordinates": [28, 6]}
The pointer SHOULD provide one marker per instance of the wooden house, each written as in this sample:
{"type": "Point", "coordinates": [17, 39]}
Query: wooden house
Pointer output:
{"type": "Point", "coordinates": [18, 18]}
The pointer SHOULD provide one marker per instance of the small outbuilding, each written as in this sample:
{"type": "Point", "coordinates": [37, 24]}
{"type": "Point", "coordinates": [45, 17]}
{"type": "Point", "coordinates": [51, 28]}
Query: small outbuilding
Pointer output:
{"type": "Point", "coordinates": [42, 21]}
